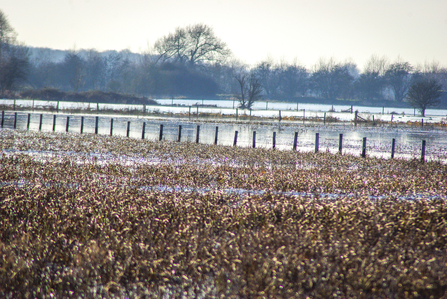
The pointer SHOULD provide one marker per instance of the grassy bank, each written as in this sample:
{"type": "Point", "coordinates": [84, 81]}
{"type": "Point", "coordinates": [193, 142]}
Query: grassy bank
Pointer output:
{"type": "Point", "coordinates": [81, 217]}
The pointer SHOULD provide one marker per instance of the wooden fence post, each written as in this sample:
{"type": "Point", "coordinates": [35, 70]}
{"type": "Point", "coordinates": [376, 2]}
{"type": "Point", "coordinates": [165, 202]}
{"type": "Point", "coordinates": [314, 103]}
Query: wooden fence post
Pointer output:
{"type": "Point", "coordinates": [40, 122]}
{"type": "Point", "coordinates": [54, 123]}
{"type": "Point", "coordinates": [355, 118]}
{"type": "Point", "coordinates": [317, 142]}
{"type": "Point", "coordinates": [340, 144]}
{"type": "Point", "coordinates": [393, 147]}
{"type": "Point", "coordinates": [364, 148]}
{"type": "Point", "coordinates": [67, 124]}
{"type": "Point", "coordinates": [274, 139]}
{"type": "Point", "coordinates": [111, 127]}
{"type": "Point", "coordinates": [96, 125]}
{"type": "Point", "coordinates": [324, 120]}
{"type": "Point", "coordinates": [143, 130]}
{"type": "Point", "coordinates": [235, 138]}
{"type": "Point", "coordinates": [82, 124]}
{"type": "Point", "coordinates": [3, 117]}
{"type": "Point", "coordinates": [304, 115]}
{"type": "Point", "coordinates": [280, 115]}
{"type": "Point", "coordinates": [423, 151]}
{"type": "Point", "coordinates": [128, 129]}
{"type": "Point", "coordinates": [197, 134]}
{"type": "Point", "coordinates": [295, 141]}
{"type": "Point", "coordinates": [15, 120]}
{"type": "Point", "coordinates": [179, 133]}
{"type": "Point", "coordinates": [28, 122]}
{"type": "Point", "coordinates": [215, 136]}
{"type": "Point", "coordinates": [254, 139]}
{"type": "Point", "coordinates": [160, 137]}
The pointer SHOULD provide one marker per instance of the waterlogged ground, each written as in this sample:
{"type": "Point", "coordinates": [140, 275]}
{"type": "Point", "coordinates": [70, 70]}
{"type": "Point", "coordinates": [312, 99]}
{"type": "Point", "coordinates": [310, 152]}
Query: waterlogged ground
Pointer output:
{"type": "Point", "coordinates": [115, 217]}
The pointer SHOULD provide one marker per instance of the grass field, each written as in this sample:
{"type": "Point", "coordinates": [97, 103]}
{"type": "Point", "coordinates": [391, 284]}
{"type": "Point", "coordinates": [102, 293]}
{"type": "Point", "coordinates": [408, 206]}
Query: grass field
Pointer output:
{"type": "Point", "coordinates": [114, 217]}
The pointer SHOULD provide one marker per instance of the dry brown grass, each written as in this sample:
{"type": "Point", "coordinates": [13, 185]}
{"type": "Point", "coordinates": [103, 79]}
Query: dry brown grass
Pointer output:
{"type": "Point", "coordinates": [72, 225]}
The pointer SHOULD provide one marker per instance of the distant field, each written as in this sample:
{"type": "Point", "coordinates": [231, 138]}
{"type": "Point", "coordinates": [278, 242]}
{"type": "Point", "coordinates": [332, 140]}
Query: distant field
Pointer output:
{"type": "Point", "coordinates": [115, 217]}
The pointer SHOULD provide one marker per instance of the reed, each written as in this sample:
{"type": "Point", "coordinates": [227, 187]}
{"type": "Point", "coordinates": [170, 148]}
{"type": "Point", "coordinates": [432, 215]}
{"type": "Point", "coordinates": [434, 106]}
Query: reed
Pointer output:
{"type": "Point", "coordinates": [87, 216]}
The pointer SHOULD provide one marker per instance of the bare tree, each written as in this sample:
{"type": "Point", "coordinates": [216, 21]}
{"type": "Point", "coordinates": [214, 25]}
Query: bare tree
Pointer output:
{"type": "Point", "coordinates": [398, 78]}
{"type": "Point", "coordinates": [7, 34]}
{"type": "Point", "coordinates": [331, 79]}
{"type": "Point", "coordinates": [424, 93]}
{"type": "Point", "coordinates": [371, 83]}
{"type": "Point", "coordinates": [192, 44]}
{"type": "Point", "coordinates": [250, 88]}
{"type": "Point", "coordinates": [267, 72]}
{"type": "Point", "coordinates": [14, 58]}
{"type": "Point", "coordinates": [293, 80]}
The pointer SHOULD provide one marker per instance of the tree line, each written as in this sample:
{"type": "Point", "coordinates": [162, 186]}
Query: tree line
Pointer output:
{"type": "Point", "coordinates": [193, 62]}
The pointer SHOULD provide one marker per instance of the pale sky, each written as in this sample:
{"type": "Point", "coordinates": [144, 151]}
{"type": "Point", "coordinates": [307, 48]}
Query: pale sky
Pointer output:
{"type": "Point", "coordinates": [415, 30]}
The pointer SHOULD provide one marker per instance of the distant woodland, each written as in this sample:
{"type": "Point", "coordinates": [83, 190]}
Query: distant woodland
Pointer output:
{"type": "Point", "coordinates": [193, 62]}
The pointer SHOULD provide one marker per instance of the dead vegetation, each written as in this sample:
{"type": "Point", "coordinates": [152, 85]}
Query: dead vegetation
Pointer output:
{"type": "Point", "coordinates": [77, 221]}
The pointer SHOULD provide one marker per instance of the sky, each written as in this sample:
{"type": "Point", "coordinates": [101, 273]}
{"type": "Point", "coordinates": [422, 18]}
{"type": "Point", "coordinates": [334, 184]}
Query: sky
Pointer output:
{"type": "Point", "coordinates": [254, 30]}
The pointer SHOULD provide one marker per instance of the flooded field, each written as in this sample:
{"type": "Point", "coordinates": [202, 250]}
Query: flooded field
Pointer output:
{"type": "Point", "coordinates": [93, 215]}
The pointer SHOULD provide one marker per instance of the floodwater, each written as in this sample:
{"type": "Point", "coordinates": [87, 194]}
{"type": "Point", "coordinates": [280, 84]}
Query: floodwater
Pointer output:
{"type": "Point", "coordinates": [379, 138]}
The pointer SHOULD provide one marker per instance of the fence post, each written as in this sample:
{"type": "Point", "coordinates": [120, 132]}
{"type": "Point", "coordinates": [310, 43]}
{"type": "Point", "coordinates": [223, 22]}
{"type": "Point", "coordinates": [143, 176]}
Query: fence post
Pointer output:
{"type": "Point", "coordinates": [82, 124]}
{"type": "Point", "coordinates": [324, 120]}
{"type": "Point", "coordinates": [215, 136]}
{"type": "Point", "coordinates": [235, 138]}
{"type": "Point", "coordinates": [96, 125]}
{"type": "Point", "coordinates": [364, 148]}
{"type": "Point", "coordinates": [304, 115]}
{"type": "Point", "coordinates": [57, 107]}
{"type": "Point", "coordinates": [295, 141]}
{"type": "Point", "coordinates": [29, 121]}
{"type": "Point", "coordinates": [423, 151]}
{"type": "Point", "coordinates": [317, 142]}
{"type": "Point", "coordinates": [383, 110]}
{"type": "Point", "coordinates": [97, 107]}
{"type": "Point", "coordinates": [3, 117]}
{"type": "Point", "coordinates": [14, 105]}
{"type": "Point", "coordinates": [67, 124]}
{"type": "Point", "coordinates": [197, 134]}
{"type": "Point", "coordinates": [197, 111]}
{"type": "Point", "coordinates": [179, 133]}
{"type": "Point", "coordinates": [393, 147]}
{"type": "Point", "coordinates": [236, 113]}
{"type": "Point", "coordinates": [189, 114]}
{"type": "Point", "coordinates": [54, 123]}
{"type": "Point", "coordinates": [128, 129]}
{"type": "Point", "coordinates": [143, 130]}
{"type": "Point", "coordinates": [355, 118]}
{"type": "Point", "coordinates": [40, 122]}
{"type": "Point", "coordinates": [279, 115]}
{"type": "Point", "coordinates": [254, 139]}
{"type": "Point", "coordinates": [422, 123]}
{"type": "Point", "coordinates": [274, 139]}
{"type": "Point", "coordinates": [352, 109]}
{"type": "Point", "coordinates": [266, 105]}
{"type": "Point", "coordinates": [111, 127]}
{"type": "Point", "coordinates": [340, 144]}
{"type": "Point", "coordinates": [160, 137]}
{"type": "Point", "coordinates": [15, 120]}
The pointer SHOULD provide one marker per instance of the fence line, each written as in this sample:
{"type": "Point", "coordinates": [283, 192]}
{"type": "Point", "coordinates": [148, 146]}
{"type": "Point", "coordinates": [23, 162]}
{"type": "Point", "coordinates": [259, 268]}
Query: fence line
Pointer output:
{"type": "Point", "coordinates": [347, 115]}
{"type": "Point", "coordinates": [28, 123]}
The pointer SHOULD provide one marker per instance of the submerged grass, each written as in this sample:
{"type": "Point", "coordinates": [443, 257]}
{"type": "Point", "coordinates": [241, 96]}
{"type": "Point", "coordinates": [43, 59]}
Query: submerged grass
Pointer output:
{"type": "Point", "coordinates": [76, 224]}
